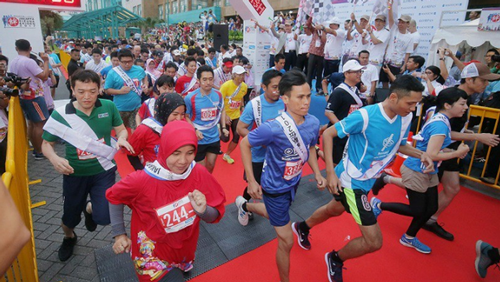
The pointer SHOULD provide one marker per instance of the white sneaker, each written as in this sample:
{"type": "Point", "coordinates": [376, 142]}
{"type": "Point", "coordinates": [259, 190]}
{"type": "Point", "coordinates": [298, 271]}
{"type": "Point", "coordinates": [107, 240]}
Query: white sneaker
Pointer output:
{"type": "Point", "coordinates": [242, 215]}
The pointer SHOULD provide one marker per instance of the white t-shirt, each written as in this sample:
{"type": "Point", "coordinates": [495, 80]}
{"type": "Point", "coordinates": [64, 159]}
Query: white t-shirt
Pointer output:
{"type": "Point", "coordinates": [290, 42]}
{"type": "Point", "coordinates": [369, 75]}
{"type": "Point", "coordinates": [357, 43]}
{"type": "Point", "coordinates": [305, 43]}
{"type": "Point", "coordinates": [333, 45]}
{"type": "Point", "coordinates": [274, 43]}
{"type": "Point", "coordinates": [91, 65]}
{"type": "Point", "coordinates": [416, 38]}
{"type": "Point", "coordinates": [377, 51]}
{"type": "Point", "coordinates": [399, 45]}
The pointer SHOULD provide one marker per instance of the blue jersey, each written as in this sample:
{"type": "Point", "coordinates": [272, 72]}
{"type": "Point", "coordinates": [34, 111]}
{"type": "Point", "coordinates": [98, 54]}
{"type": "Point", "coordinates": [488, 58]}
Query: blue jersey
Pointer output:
{"type": "Point", "coordinates": [269, 111]}
{"type": "Point", "coordinates": [130, 101]}
{"type": "Point", "coordinates": [282, 165]}
{"type": "Point", "coordinates": [56, 61]}
{"type": "Point", "coordinates": [374, 139]}
{"type": "Point", "coordinates": [105, 71]}
{"type": "Point", "coordinates": [433, 127]}
{"type": "Point", "coordinates": [203, 111]}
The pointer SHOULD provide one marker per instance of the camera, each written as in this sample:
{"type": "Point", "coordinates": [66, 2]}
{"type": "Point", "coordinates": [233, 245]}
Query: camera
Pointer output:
{"type": "Point", "coordinates": [16, 80]}
{"type": "Point", "coordinates": [9, 92]}
{"type": "Point", "coordinates": [495, 58]}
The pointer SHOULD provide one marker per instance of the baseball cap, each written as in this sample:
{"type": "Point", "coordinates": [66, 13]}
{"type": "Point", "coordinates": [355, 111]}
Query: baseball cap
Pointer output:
{"type": "Point", "coordinates": [380, 17]}
{"type": "Point", "coordinates": [366, 17]}
{"type": "Point", "coordinates": [71, 41]}
{"type": "Point", "coordinates": [228, 64]}
{"type": "Point", "coordinates": [405, 18]}
{"type": "Point", "coordinates": [176, 53]}
{"type": "Point", "coordinates": [288, 22]}
{"type": "Point", "coordinates": [158, 53]}
{"type": "Point", "coordinates": [352, 65]}
{"type": "Point", "coordinates": [334, 20]}
{"type": "Point", "coordinates": [281, 26]}
{"type": "Point", "coordinates": [238, 69]}
{"type": "Point", "coordinates": [479, 70]}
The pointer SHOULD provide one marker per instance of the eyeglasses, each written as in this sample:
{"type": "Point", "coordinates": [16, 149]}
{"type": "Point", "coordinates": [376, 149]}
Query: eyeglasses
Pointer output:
{"type": "Point", "coordinates": [127, 62]}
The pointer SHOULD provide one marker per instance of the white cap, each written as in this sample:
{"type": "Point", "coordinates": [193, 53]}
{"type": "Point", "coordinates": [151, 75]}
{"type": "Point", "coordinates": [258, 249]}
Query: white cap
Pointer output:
{"type": "Point", "coordinates": [238, 70]}
{"type": "Point", "coordinates": [334, 20]}
{"type": "Point", "coordinates": [176, 53]}
{"type": "Point", "coordinates": [352, 65]}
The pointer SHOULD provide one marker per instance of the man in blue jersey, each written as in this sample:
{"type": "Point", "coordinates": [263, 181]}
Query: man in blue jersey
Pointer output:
{"type": "Point", "coordinates": [290, 141]}
{"type": "Point", "coordinates": [376, 133]}
{"type": "Point", "coordinates": [205, 108]}
{"type": "Point", "coordinates": [263, 108]}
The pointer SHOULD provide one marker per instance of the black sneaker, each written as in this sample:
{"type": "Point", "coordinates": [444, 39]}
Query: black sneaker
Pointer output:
{"type": "Point", "coordinates": [66, 249]}
{"type": "Point", "coordinates": [89, 222]}
{"type": "Point", "coordinates": [302, 236]}
{"type": "Point", "coordinates": [379, 184]}
{"type": "Point", "coordinates": [38, 156]}
{"type": "Point", "coordinates": [334, 268]}
{"type": "Point", "coordinates": [438, 230]}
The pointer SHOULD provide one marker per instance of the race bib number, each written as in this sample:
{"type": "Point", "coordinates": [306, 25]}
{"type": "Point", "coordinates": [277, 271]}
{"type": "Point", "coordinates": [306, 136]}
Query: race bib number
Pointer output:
{"type": "Point", "coordinates": [234, 104]}
{"type": "Point", "coordinates": [292, 169]}
{"type": "Point", "coordinates": [353, 108]}
{"type": "Point", "coordinates": [84, 155]}
{"type": "Point", "coordinates": [177, 215]}
{"type": "Point", "coordinates": [208, 114]}
{"type": "Point", "coordinates": [318, 43]}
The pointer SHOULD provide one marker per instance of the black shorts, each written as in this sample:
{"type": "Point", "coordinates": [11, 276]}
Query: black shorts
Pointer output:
{"type": "Point", "coordinates": [355, 202]}
{"type": "Point", "coordinates": [257, 172]}
{"type": "Point", "coordinates": [57, 82]}
{"type": "Point", "coordinates": [448, 165]}
{"type": "Point", "coordinates": [383, 77]}
{"type": "Point", "coordinates": [202, 151]}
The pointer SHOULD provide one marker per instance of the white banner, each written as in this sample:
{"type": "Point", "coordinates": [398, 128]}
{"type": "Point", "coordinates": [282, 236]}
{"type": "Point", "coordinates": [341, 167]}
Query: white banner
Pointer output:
{"type": "Point", "coordinates": [490, 20]}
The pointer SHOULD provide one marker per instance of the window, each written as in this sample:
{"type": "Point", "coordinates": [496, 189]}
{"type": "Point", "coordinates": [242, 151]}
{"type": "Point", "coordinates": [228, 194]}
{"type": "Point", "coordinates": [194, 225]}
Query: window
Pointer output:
{"type": "Point", "coordinates": [227, 4]}
{"type": "Point", "coordinates": [139, 10]}
{"type": "Point", "coordinates": [175, 7]}
{"type": "Point", "coordinates": [183, 6]}
{"type": "Point", "coordinates": [134, 10]}
{"type": "Point", "coordinates": [160, 12]}
{"type": "Point", "coordinates": [199, 4]}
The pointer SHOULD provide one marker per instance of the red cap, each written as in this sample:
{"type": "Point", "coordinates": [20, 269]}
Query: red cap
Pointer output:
{"type": "Point", "coordinates": [228, 64]}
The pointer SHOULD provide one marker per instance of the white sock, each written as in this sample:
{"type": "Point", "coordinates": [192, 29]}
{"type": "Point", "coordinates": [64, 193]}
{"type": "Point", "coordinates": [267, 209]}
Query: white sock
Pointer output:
{"type": "Point", "coordinates": [387, 179]}
{"type": "Point", "coordinates": [409, 237]}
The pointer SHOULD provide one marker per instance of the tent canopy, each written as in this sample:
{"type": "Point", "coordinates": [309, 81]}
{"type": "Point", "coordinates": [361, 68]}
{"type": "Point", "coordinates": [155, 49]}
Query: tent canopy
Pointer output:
{"type": "Point", "coordinates": [94, 23]}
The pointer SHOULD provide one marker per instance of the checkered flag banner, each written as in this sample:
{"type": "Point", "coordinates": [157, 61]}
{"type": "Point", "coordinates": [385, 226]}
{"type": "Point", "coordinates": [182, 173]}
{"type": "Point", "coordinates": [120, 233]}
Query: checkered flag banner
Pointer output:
{"type": "Point", "coordinates": [380, 8]}
{"type": "Point", "coordinates": [305, 9]}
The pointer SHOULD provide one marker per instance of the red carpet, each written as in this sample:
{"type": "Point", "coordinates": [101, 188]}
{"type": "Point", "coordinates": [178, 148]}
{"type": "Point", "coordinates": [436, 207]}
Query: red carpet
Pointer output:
{"type": "Point", "coordinates": [470, 217]}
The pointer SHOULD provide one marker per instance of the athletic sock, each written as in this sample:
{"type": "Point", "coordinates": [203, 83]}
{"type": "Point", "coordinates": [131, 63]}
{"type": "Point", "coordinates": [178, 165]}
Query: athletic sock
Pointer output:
{"type": "Point", "coordinates": [432, 220]}
{"type": "Point", "coordinates": [335, 257]}
{"type": "Point", "coordinates": [303, 226]}
{"type": "Point", "coordinates": [409, 237]}
{"type": "Point", "coordinates": [244, 207]}
{"type": "Point", "coordinates": [387, 179]}
{"type": "Point", "coordinates": [494, 255]}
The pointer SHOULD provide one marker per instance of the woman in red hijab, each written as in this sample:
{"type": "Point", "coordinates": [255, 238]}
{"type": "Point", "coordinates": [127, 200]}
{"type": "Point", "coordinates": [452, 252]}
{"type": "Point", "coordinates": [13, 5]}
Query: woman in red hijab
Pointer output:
{"type": "Point", "coordinates": [168, 199]}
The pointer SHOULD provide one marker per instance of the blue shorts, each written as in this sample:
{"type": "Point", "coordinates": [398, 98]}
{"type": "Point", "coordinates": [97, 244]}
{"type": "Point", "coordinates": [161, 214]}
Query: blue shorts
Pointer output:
{"type": "Point", "coordinates": [35, 109]}
{"type": "Point", "coordinates": [278, 206]}
{"type": "Point", "coordinates": [75, 192]}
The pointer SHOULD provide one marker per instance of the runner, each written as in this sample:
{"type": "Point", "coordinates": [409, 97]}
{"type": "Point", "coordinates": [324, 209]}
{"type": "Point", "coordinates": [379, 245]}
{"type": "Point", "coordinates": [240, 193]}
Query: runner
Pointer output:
{"type": "Point", "coordinates": [188, 82]}
{"type": "Point", "coordinates": [205, 108]}
{"type": "Point", "coordinates": [168, 199]}
{"type": "Point", "coordinates": [421, 187]}
{"type": "Point", "coordinates": [146, 138]}
{"type": "Point", "coordinates": [88, 169]}
{"type": "Point", "coordinates": [290, 141]}
{"type": "Point", "coordinates": [263, 108]}
{"type": "Point", "coordinates": [375, 133]}
{"type": "Point", "coordinates": [233, 92]}
{"type": "Point", "coordinates": [163, 85]}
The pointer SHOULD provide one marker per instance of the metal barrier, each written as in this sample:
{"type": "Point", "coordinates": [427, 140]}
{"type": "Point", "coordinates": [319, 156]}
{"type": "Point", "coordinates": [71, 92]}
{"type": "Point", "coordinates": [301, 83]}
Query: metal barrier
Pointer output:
{"type": "Point", "coordinates": [16, 180]}
{"type": "Point", "coordinates": [494, 116]}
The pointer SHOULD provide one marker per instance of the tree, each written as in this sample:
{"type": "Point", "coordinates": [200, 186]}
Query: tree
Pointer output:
{"type": "Point", "coordinates": [50, 22]}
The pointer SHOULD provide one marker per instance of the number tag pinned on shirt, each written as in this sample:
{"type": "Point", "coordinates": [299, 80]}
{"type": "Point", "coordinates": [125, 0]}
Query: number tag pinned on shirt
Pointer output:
{"type": "Point", "coordinates": [177, 215]}
{"type": "Point", "coordinates": [208, 114]}
{"type": "Point", "coordinates": [292, 169]}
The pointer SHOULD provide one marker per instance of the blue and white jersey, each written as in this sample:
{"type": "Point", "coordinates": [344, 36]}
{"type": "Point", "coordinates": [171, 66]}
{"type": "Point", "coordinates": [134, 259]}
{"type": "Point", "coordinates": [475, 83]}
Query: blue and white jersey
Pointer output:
{"type": "Point", "coordinates": [269, 111]}
{"type": "Point", "coordinates": [282, 165]}
{"type": "Point", "coordinates": [205, 112]}
{"type": "Point", "coordinates": [374, 139]}
{"type": "Point", "coordinates": [439, 124]}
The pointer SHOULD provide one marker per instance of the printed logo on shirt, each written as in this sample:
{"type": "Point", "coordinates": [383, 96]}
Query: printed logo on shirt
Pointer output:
{"type": "Point", "coordinates": [388, 142]}
{"type": "Point", "coordinates": [103, 115]}
{"type": "Point", "coordinates": [208, 114]}
{"type": "Point", "coordinates": [157, 149]}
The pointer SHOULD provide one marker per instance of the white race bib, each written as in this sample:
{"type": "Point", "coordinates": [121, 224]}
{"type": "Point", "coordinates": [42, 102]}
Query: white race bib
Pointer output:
{"type": "Point", "coordinates": [177, 215]}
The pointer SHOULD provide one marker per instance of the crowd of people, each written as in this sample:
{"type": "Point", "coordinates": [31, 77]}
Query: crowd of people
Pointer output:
{"type": "Point", "coordinates": [168, 101]}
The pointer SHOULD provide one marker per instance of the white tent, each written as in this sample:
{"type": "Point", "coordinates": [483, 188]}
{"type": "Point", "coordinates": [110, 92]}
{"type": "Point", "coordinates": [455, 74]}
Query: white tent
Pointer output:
{"type": "Point", "coordinates": [464, 37]}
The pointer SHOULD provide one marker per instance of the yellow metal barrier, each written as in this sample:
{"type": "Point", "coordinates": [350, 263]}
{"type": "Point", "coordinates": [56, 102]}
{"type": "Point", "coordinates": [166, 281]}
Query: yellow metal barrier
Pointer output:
{"type": "Point", "coordinates": [15, 178]}
{"type": "Point", "coordinates": [483, 113]}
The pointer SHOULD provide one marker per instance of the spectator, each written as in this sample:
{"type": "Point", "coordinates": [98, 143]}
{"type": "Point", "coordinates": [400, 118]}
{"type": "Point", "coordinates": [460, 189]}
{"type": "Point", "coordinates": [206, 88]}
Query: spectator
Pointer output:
{"type": "Point", "coordinates": [412, 28]}
{"type": "Point", "coordinates": [32, 100]}
{"type": "Point", "coordinates": [358, 36]}
{"type": "Point", "coordinates": [487, 58]}
{"type": "Point", "coordinates": [316, 53]}
{"type": "Point", "coordinates": [303, 54]}
{"type": "Point", "coordinates": [54, 65]}
{"type": "Point", "coordinates": [378, 41]}
{"type": "Point", "coordinates": [73, 65]}
{"type": "Point", "coordinates": [334, 37]}
{"type": "Point", "coordinates": [369, 78]}
{"type": "Point", "coordinates": [432, 79]}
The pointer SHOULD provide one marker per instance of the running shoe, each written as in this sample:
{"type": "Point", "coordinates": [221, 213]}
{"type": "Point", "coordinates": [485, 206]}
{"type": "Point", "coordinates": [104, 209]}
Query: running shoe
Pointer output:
{"type": "Point", "coordinates": [334, 268]}
{"type": "Point", "coordinates": [379, 184]}
{"type": "Point", "coordinates": [483, 260]}
{"type": "Point", "coordinates": [415, 243]}
{"type": "Point", "coordinates": [302, 236]}
{"type": "Point", "coordinates": [89, 222]}
{"type": "Point", "coordinates": [375, 203]}
{"type": "Point", "coordinates": [438, 230]}
{"type": "Point", "coordinates": [242, 215]}
{"type": "Point", "coordinates": [38, 156]}
{"type": "Point", "coordinates": [228, 159]}
{"type": "Point", "coordinates": [66, 249]}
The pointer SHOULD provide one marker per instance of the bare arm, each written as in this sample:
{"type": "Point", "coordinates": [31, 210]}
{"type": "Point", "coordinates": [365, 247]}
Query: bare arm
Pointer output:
{"type": "Point", "coordinates": [442, 64]}
{"type": "Point", "coordinates": [331, 117]}
{"type": "Point", "coordinates": [61, 165]}
{"type": "Point", "coordinates": [333, 183]}
{"type": "Point", "coordinates": [485, 138]}
{"type": "Point", "coordinates": [254, 188]}
{"type": "Point", "coordinates": [416, 153]}
{"type": "Point", "coordinates": [434, 148]}
{"type": "Point", "coordinates": [242, 129]}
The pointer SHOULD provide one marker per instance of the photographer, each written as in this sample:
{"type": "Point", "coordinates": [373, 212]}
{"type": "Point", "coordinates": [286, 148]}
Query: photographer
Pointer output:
{"type": "Point", "coordinates": [32, 100]}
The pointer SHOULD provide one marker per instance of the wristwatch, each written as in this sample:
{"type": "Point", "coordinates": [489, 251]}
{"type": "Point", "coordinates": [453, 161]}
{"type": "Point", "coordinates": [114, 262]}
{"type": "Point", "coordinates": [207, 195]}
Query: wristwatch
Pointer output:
{"type": "Point", "coordinates": [441, 59]}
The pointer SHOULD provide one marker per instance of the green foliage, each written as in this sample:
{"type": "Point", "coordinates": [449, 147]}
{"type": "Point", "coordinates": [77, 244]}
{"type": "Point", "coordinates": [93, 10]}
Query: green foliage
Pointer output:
{"type": "Point", "coordinates": [235, 35]}
{"type": "Point", "coordinates": [50, 22]}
